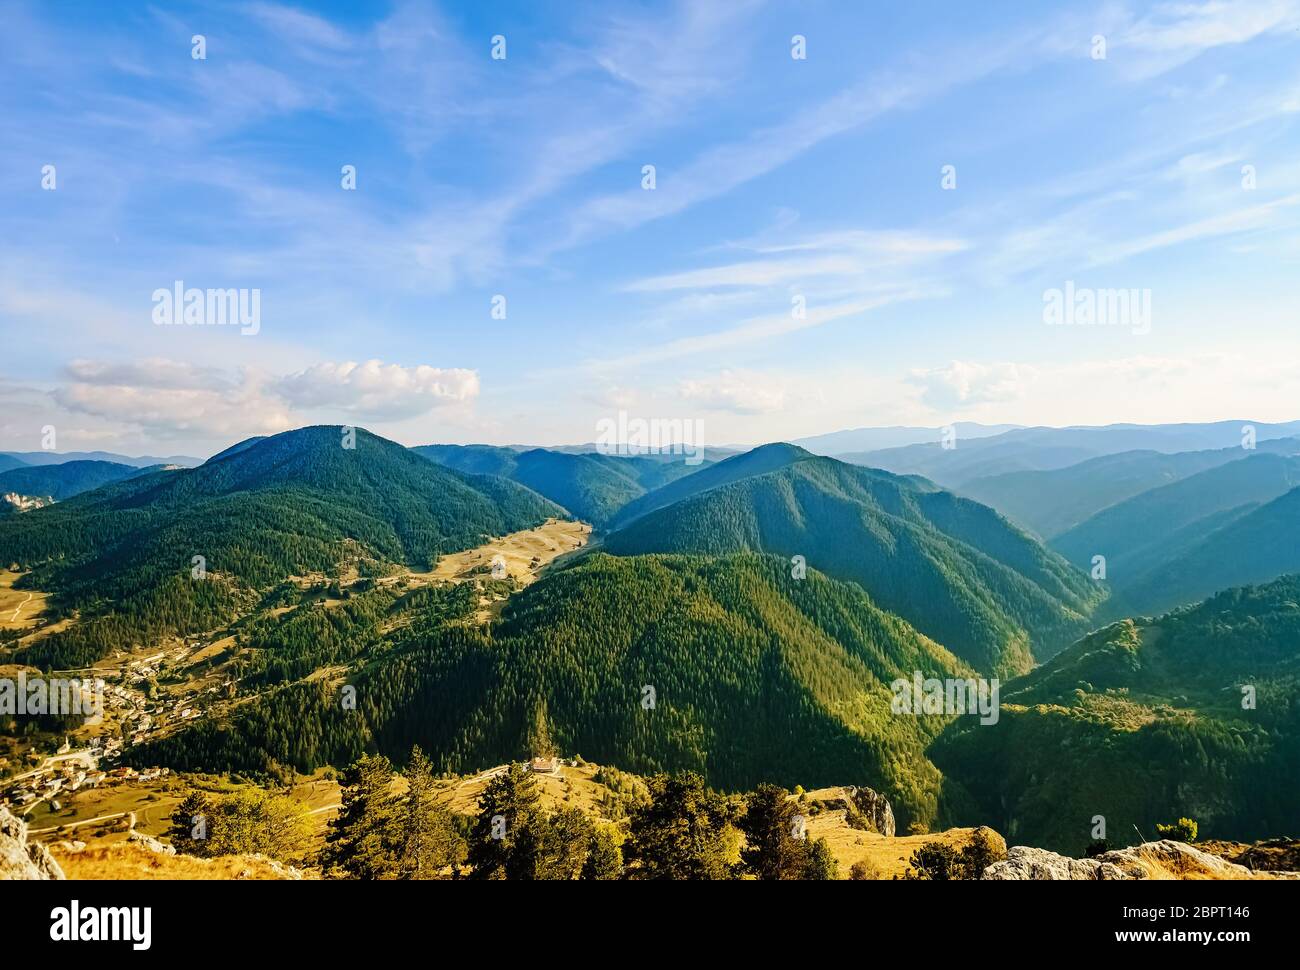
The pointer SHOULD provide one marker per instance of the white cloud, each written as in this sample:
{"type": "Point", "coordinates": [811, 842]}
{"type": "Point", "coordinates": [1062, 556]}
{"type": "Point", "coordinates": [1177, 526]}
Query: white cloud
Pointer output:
{"type": "Point", "coordinates": [739, 393]}
{"type": "Point", "coordinates": [843, 254]}
{"type": "Point", "coordinates": [168, 398]}
{"type": "Point", "coordinates": [377, 390]}
{"type": "Point", "coordinates": [963, 383]}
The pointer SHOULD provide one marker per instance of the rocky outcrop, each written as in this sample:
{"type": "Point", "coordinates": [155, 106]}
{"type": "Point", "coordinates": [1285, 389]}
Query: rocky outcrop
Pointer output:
{"type": "Point", "coordinates": [1165, 859]}
{"type": "Point", "coordinates": [1027, 862]}
{"type": "Point", "coordinates": [875, 809]}
{"type": "Point", "coordinates": [863, 808]}
{"type": "Point", "coordinates": [20, 859]}
{"type": "Point", "coordinates": [1270, 855]}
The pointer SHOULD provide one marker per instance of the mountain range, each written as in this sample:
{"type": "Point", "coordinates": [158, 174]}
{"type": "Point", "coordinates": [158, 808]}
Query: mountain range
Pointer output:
{"type": "Point", "coordinates": [746, 617]}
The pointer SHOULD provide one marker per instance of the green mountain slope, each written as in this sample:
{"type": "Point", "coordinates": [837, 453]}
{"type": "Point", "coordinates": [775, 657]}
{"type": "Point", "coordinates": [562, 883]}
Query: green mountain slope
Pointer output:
{"type": "Point", "coordinates": [591, 486]}
{"type": "Point", "coordinates": [952, 567]}
{"type": "Point", "coordinates": [61, 482]}
{"type": "Point", "coordinates": [764, 458]}
{"type": "Point", "coordinates": [1153, 528]}
{"type": "Point", "coordinates": [1143, 722]}
{"type": "Point", "coordinates": [756, 677]}
{"type": "Point", "coordinates": [290, 504]}
{"type": "Point", "coordinates": [1254, 548]}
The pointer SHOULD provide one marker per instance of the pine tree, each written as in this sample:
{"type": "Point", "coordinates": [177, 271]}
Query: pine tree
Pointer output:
{"type": "Point", "coordinates": [604, 858]}
{"type": "Point", "coordinates": [773, 849]}
{"type": "Point", "coordinates": [364, 840]}
{"type": "Point", "coordinates": [430, 841]}
{"type": "Point", "coordinates": [502, 842]}
{"type": "Point", "coordinates": [682, 833]}
{"type": "Point", "coordinates": [821, 862]}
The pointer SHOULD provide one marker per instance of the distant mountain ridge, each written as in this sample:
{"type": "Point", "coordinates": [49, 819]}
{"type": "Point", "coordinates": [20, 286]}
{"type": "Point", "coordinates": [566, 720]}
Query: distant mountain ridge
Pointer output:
{"type": "Point", "coordinates": [64, 480]}
{"type": "Point", "coordinates": [594, 487]}
{"type": "Point", "coordinates": [1053, 501]}
{"type": "Point", "coordinates": [1042, 448]}
{"type": "Point", "coordinates": [59, 457]}
{"type": "Point", "coordinates": [871, 439]}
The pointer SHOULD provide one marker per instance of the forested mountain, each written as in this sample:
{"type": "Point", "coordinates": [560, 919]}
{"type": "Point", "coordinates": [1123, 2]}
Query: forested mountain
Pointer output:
{"type": "Point", "coordinates": [1255, 548]}
{"type": "Point", "coordinates": [1041, 449]}
{"type": "Point", "coordinates": [64, 481]}
{"type": "Point", "coordinates": [1049, 503]}
{"type": "Point", "coordinates": [729, 666]}
{"type": "Point", "coordinates": [1152, 529]}
{"type": "Point", "coordinates": [1192, 714]}
{"type": "Point", "coordinates": [953, 568]}
{"type": "Point", "coordinates": [290, 504]}
{"type": "Point", "coordinates": [9, 461]}
{"type": "Point", "coordinates": [591, 486]}
{"type": "Point", "coordinates": [764, 458]}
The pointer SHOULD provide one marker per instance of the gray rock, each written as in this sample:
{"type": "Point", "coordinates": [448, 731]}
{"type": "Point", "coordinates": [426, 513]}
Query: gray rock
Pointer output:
{"type": "Point", "coordinates": [20, 859]}
{"type": "Point", "coordinates": [876, 808]}
{"type": "Point", "coordinates": [1027, 862]}
{"type": "Point", "coordinates": [1165, 859]}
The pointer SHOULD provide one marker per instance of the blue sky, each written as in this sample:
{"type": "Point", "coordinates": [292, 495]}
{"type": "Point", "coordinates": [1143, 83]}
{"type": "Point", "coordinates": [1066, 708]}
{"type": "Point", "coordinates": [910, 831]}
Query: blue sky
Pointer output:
{"type": "Point", "coordinates": [1170, 165]}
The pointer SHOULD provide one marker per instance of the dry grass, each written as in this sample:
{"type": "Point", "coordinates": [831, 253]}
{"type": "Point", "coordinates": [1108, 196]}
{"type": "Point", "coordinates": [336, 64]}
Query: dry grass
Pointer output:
{"type": "Point", "coordinates": [886, 857]}
{"type": "Point", "coordinates": [570, 787]}
{"type": "Point", "coordinates": [524, 552]}
{"type": "Point", "coordinates": [123, 860]}
{"type": "Point", "coordinates": [19, 609]}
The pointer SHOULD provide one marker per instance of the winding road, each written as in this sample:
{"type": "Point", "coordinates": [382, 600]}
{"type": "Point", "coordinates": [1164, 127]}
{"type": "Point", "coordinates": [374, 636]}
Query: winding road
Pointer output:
{"type": "Point", "coordinates": [19, 607]}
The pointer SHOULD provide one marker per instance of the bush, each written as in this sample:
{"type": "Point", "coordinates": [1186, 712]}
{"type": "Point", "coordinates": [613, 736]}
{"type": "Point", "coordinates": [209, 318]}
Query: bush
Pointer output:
{"type": "Point", "coordinates": [938, 862]}
{"type": "Point", "coordinates": [1184, 830]}
{"type": "Point", "coordinates": [862, 869]}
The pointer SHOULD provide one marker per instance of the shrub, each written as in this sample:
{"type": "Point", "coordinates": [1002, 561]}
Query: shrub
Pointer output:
{"type": "Point", "coordinates": [1184, 830]}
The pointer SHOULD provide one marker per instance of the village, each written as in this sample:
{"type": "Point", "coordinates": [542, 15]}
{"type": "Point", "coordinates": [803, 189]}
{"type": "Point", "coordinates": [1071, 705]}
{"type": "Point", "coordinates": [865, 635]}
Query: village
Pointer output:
{"type": "Point", "coordinates": [136, 710]}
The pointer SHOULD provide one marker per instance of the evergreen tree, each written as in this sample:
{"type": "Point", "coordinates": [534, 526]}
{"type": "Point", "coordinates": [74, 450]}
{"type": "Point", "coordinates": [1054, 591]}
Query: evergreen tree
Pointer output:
{"type": "Point", "coordinates": [430, 842]}
{"type": "Point", "coordinates": [364, 839]}
{"type": "Point", "coordinates": [821, 862]}
{"type": "Point", "coordinates": [604, 858]}
{"type": "Point", "coordinates": [190, 822]}
{"type": "Point", "coordinates": [775, 849]}
{"type": "Point", "coordinates": [682, 833]}
{"type": "Point", "coordinates": [502, 842]}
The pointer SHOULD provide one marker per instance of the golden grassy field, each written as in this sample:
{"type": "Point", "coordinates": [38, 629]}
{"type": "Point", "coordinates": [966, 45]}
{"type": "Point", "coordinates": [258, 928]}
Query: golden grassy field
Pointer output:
{"type": "Point", "coordinates": [19, 609]}
{"type": "Point", "coordinates": [524, 553]}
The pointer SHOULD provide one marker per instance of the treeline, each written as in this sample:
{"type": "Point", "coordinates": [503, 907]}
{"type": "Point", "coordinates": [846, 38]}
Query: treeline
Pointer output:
{"type": "Point", "coordinates": [393, 825]}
